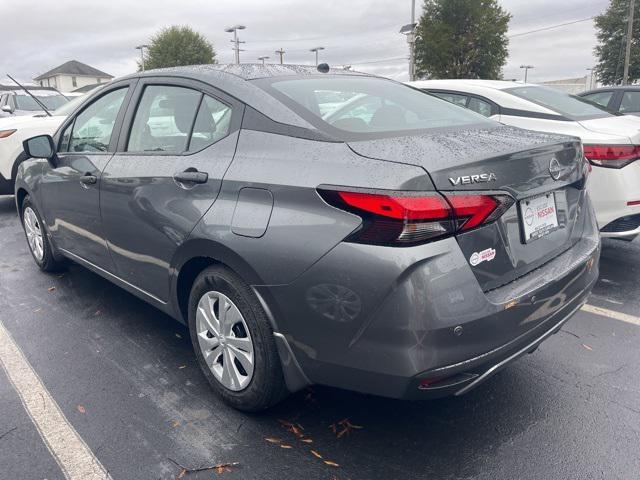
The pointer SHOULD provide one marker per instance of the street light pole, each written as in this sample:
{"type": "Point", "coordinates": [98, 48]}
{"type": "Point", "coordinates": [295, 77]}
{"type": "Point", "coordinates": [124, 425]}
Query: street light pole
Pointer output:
{"type": "Point", "coordinates": [281, 53]}
{"type": "Point", "coordinates": [627, 55]}
{"type": "Point", "coordinates": [410, 31]}
{"type": "Point", "coordinates": [316, 50]}
{"type": "Point", "coordinates": [263, 59]}
{"type": "Point", "coordinates": [526, 71]}
{"type": "Point", "coordinates": [141, 48]}
{"type": "Point", "coordinates": [236, 41]}
{"type": "Point", "coordinates": [591, 73]}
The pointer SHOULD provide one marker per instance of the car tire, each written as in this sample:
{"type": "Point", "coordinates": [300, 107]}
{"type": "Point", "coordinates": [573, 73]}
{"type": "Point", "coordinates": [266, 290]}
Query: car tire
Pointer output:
{"type": "Point", "coordinates": [218, 293]}
{"type": "Point", "coordinates": [37, 238]}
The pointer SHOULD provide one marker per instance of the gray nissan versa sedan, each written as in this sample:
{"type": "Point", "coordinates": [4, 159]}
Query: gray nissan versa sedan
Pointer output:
{"type": "Point", "coordinates": [318, 226]}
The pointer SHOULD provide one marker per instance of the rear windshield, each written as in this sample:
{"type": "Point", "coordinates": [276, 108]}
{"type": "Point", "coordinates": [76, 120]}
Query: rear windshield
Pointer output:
{"type": "Point", "coordinates": [353, 107]}
{"type": "Point", "coordinates": [25, 102]}
{"type": "Point", "coordinates": [570, 106]}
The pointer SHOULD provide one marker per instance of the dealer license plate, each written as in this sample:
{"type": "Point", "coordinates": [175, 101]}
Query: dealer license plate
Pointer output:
{"type": "Point", "coordinates": [538, 216]}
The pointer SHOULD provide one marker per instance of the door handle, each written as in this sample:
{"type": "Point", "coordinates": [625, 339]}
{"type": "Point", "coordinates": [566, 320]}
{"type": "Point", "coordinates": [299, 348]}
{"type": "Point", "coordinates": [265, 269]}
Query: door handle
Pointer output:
{"type": "Point", "coordinates": [88, 179]}
{"type": "Point", "coordinates": [191, 175]}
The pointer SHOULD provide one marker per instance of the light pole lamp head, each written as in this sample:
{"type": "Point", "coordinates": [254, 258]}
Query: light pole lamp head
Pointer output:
{"type": "Point", "coordinates": [527, 66]}
{"type": "Point", "coordinates": [234, 28]}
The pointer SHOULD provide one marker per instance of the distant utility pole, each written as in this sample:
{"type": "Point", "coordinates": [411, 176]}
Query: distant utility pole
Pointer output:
{"type": "Point", "coordinates": [281, 53]}
{"type": "Point", "coordinates": [627, 55]}
{"type": "Point", "coordinates": [141, 48]}
{"type": "Point", "coordinates": [263, 59]}
{"type": "Point", "coordinates": [316, 50]}
{"type": "Point", "coordinates": [410, 31]}
{"type": "Point", "coordinates": [526, 71]}
{"type": "Point", "coordinates": [236, 41]}
{"type": "Point", "coordinates": [591, 77]}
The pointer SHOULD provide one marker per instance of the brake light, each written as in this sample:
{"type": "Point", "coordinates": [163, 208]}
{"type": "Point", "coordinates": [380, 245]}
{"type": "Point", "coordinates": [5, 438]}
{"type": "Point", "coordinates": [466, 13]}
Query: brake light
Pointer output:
{"type": "Point", "coordinates": [408, 218]}
{"type": "Point", "coordinates": [6, 133]}
{"type": "Point", "coordinates": [612, 156]}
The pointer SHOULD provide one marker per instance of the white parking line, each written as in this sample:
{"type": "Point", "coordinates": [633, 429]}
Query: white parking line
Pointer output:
{"type": "Point", "coordinates": [623, 317]}
{"type": "Point", "coordinates": [74, 457]}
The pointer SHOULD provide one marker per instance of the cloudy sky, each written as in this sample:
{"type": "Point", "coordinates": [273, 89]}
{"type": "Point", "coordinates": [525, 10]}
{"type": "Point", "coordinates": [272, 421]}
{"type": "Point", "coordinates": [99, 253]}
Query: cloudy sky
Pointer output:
{"type": "Point", "coordinates": [37, 36]}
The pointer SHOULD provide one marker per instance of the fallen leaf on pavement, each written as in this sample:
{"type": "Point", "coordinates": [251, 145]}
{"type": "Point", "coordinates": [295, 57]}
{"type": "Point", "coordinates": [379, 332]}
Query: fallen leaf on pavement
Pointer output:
{"type": "Point", "coordinates": [344, 427]}
{"type": "Point", "coordinates": [51, 289]}
{"type": "Point", "coordinates": [81, 409]}
{"type": "Point", "coordinates": [175, 424]}
{"type": "Point", "coordinates": [273, 440]}
{"type": "Point", "coordinates": [316, 454]}
{"type": "Point", "coordinates": [178, 335]}
{"type": "Point", "coordinates": [284, 445]}
{"type": "Point", "coordinates": [307, 440]}
{"type": "Point", "coordinates": [181, 367]}
{"type": "Point", "coordinates": [182, 473]}
{"type": "Point", "coordinates": [331, 464]}
{"type": "Point", "coordinates": [587, 347]}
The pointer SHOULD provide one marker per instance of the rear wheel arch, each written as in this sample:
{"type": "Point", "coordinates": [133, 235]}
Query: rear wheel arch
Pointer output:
{"type": "Point", "coordinates": [194, 257]}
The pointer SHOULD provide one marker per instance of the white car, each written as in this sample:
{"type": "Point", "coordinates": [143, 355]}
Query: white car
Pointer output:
{"type": "Point", "coordinates": [611, 141]}
{"type": "Point", "coordinates": [14, 130]}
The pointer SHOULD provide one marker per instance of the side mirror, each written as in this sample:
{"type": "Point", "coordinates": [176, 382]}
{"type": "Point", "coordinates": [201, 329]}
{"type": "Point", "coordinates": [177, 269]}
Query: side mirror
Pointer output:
{"type": "Point", "coordinates": [7, 109]}
{"type": "Point", "coordinates": [41, 146]}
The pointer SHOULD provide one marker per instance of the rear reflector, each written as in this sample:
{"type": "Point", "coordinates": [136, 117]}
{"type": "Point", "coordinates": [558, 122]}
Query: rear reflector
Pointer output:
{"type": "Point", "coordinates": [612, 156]}
{"type": "Point", "coordinates": [409, 218]}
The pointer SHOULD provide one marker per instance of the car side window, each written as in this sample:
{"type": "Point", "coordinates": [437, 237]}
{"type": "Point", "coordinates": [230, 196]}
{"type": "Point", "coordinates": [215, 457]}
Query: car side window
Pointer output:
{"type": "Point", "coordinates": [601, 98]}
{"type": "Point", "coordinates": [479, 106]}
{"type": "Point", "coordinates": [164, 119]}
{"type": "Point", "coordinates": [91, 130]}
{"type": "Point", "coordinates": [212, 123]}
{"type": "Point", "coordinates": [630, 102]}
{"type": "Point", "coordinates": [455, 98]}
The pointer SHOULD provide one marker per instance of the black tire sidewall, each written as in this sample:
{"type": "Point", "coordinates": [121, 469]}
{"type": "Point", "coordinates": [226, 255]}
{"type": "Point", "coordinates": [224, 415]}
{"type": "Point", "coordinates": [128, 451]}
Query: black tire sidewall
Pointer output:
{"type": "Point", "coordinates": [267, 384]}
{"type": "Point", "coordinates": [48, 262]}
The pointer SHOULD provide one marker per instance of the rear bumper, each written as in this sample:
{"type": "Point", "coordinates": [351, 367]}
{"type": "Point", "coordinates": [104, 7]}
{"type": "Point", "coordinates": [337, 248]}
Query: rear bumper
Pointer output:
{"type": "Point", "coordinates": [611, 190]}
{"type": "Point", "coordinates": [385, 320]}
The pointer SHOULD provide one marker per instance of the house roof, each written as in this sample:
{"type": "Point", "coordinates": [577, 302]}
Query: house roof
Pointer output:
{"type": "Point", "coordinates": [74, 67]}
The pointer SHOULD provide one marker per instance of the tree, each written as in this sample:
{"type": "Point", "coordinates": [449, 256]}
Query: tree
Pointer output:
{"type": "Point", "coordinates": [612, 40]}
{"type": "Point", "coordinates": [176, 46]}
{"type": "Point", "coordinates": [462, 39]}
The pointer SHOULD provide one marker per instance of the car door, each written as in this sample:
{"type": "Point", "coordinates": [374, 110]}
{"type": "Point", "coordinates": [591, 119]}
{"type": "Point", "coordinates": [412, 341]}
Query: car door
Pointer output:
{"type": "Point", "coordinates": [70, 191]}
{"type": "Point", "coordinates": [178, 139]}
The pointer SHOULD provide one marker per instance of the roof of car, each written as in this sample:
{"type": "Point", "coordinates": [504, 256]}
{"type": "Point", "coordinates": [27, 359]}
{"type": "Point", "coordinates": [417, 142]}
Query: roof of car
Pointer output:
{"type": "Point", "coordinates": [495, 84]}
{"type": "Point", "coordinates": [634, 88]}
{"type": "Point", "coordinates": [252, 71]}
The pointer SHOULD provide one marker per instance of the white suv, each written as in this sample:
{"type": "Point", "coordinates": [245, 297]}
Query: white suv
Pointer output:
{"type": "Point", "coordinates": [611, 141]}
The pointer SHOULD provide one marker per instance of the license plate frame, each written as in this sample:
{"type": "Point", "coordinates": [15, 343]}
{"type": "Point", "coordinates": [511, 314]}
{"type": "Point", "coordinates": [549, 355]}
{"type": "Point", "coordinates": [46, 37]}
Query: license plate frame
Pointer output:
{"type": "Point", "coordinates": [538, 216]}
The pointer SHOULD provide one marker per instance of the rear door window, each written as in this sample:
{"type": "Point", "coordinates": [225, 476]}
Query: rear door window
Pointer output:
{"type": "Point", "coordinates": [630, 102]}
{"type": "Point", "coordinates": [480, 106]}
{"type": "Point", "coordinates": [455, 98]}
{"type": "Point", "coordinates": [601, 98]}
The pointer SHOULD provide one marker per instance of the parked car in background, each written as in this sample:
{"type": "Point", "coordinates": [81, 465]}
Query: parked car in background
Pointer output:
{"type": "Point", "coordinates": [14, 103]}
{"type": "Point", "coordinates": [403, 247]}
{"type": "Point", "coordinates": [14, 130]}
{"type": "Point", "coordinates": [624, 99]}
{"type": "Point", "coordinates": [611, 141]}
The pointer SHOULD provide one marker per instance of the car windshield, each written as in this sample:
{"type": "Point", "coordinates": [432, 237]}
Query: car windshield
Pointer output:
{"type": "Point", "coordinates": [26, 102]}
{"type": "Point", "coordinates": [68, 107]}
{"type": "Point", "coordinates": [570, 106]}
{"type": "Point", "coordinates": [355, 107]}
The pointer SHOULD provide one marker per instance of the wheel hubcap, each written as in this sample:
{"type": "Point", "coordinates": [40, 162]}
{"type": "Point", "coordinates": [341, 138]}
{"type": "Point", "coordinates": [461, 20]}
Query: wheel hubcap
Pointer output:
{"type": "Point", "coordinates": [224, 340]}
{"type": "Point", "coordinates": [34, 233]}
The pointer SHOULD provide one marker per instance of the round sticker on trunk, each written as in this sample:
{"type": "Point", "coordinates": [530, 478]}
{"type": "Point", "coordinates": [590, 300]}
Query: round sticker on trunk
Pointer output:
{"type": "Point", "coordinates": [484, 256]}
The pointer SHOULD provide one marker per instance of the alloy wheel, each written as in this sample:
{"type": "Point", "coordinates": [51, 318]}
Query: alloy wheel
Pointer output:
{"type": "Point", "coordinates": [225, 341]}
{"type": "Point", "coordinates": [34, 233]}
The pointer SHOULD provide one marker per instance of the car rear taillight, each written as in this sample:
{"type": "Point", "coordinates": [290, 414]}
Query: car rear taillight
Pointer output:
{"type": "Point", "coordinates": [612, 156]}
{"type": "Point", "coordinates": [409, 218]}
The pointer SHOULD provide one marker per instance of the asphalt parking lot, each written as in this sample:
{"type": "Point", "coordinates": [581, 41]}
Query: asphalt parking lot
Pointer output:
{"type": "Point", "coordinates": [126, 380]}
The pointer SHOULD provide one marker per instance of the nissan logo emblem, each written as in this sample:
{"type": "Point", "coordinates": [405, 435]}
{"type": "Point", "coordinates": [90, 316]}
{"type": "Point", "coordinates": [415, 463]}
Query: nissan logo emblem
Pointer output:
{"type": "Point", "coordinates": [555, 169]}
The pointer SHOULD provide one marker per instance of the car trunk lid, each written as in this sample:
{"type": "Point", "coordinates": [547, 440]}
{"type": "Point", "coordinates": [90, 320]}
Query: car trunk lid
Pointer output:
{"type": "Point", "coordinates": [543, 173]}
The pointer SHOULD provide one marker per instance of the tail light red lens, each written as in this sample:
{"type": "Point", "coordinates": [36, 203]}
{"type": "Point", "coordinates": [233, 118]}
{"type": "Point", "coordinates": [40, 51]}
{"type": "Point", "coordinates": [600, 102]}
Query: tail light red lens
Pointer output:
{"type": "Point", "coordinates": [612, 156]}
{"type": "Point", "coordinates": [408, 218]}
